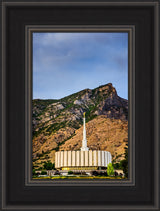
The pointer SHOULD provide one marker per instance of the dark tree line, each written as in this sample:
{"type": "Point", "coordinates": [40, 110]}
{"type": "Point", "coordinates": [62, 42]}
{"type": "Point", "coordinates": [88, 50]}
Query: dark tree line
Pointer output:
{"type": "Point", "coordinates": [49, 165]}
{"type": "Point", "coordinates": [123, 163]}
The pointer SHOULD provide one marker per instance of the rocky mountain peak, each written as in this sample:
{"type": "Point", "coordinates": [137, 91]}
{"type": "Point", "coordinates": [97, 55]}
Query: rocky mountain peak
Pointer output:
{"type": "Point", "coordinates": [55, 122]}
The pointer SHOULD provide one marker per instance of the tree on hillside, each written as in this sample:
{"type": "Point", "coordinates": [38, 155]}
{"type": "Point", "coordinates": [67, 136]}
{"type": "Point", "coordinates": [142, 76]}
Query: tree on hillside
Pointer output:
{"type": "Point", "coordinates": [53, 166]}
{"type": "Point", "coordinates": [110, 169]}
{"type": "Point", "coordinates": [124, 163]}
{"type": "Point", "coordinates": [33, 172]}
{"type": "Point", "coordinates": [116, 165]}
{"type": "Point", "coordinates": [48, 165]}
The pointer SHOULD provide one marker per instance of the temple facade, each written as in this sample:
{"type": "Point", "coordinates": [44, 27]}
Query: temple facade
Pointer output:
{"type": "Point", "coordinates": [83, 159]}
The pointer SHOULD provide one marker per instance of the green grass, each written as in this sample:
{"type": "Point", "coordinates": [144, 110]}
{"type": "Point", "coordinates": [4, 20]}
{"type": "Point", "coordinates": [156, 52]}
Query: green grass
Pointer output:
{"type": "Point", "coordinates": [79, 177]}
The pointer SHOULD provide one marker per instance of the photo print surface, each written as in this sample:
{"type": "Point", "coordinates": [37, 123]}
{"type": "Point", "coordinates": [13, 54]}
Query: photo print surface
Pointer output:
{"type": "Point", "coordinates": [80, 105]}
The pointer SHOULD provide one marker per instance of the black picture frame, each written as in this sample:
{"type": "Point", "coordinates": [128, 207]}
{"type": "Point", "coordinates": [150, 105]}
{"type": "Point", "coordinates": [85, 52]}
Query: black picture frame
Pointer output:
{"type": "Point", "coordinates": [29, 30]}
{"type": "Point", "coordinates": [17, 191]}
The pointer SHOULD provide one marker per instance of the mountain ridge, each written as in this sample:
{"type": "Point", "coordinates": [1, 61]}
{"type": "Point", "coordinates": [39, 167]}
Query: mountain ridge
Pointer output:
{"type": "Point", "coordinates": [55, 122]}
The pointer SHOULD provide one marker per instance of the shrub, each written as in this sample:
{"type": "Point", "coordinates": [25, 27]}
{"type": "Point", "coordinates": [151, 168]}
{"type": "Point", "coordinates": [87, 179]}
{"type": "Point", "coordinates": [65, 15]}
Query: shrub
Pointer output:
{"type": "Point", "coordinates": [94, 173]}
{"type": "Point", "coordinates": [70, 172]}
{"type": "Point", "coordinates": [33, 172]}
{"type": "Point", "coordinates": [110, 169]}
{"type": "Point", "coordinates": [103, 174]}
{"type": "Point", "coordinates": [43, 172]}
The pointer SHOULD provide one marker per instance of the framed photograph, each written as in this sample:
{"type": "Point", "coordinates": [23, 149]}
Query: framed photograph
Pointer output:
{"type": "Point", "coordinates": [72, 130]}
{"type": "Point", "coordinates": [80, 105]}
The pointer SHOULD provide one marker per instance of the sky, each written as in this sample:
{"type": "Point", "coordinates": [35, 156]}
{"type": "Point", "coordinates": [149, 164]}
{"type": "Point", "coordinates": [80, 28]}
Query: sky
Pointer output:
{"type": "Point", "coordinates": [65, 63]}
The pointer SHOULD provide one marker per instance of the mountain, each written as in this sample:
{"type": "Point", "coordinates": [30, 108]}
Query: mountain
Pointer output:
{"type": "Point", "coordinates": [103, 134]}
{"type": "Point", "coordinates": [57, 124]}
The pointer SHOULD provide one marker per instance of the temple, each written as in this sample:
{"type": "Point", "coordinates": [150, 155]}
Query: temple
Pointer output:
{"type": "Point", "coordinates": [83, 159]}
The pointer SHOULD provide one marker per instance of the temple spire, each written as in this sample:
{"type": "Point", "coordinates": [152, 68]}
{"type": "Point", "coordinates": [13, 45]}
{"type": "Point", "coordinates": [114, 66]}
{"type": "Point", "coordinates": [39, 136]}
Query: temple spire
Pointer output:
{"type": "Point", "coordinates": [84, 141]}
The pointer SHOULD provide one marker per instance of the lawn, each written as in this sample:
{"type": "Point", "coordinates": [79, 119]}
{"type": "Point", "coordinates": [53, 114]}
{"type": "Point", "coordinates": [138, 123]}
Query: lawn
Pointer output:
{"type": "Point", "coordinates": [79, 177]}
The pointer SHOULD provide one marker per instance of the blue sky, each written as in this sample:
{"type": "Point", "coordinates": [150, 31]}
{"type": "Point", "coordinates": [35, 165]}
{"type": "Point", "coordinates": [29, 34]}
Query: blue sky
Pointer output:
{"type": "Point", "coordinates": [65, 63]}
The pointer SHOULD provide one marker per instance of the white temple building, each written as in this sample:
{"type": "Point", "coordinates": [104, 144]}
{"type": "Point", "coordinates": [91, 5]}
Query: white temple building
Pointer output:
{"type": "Point", "coordinates": [83, 159]}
